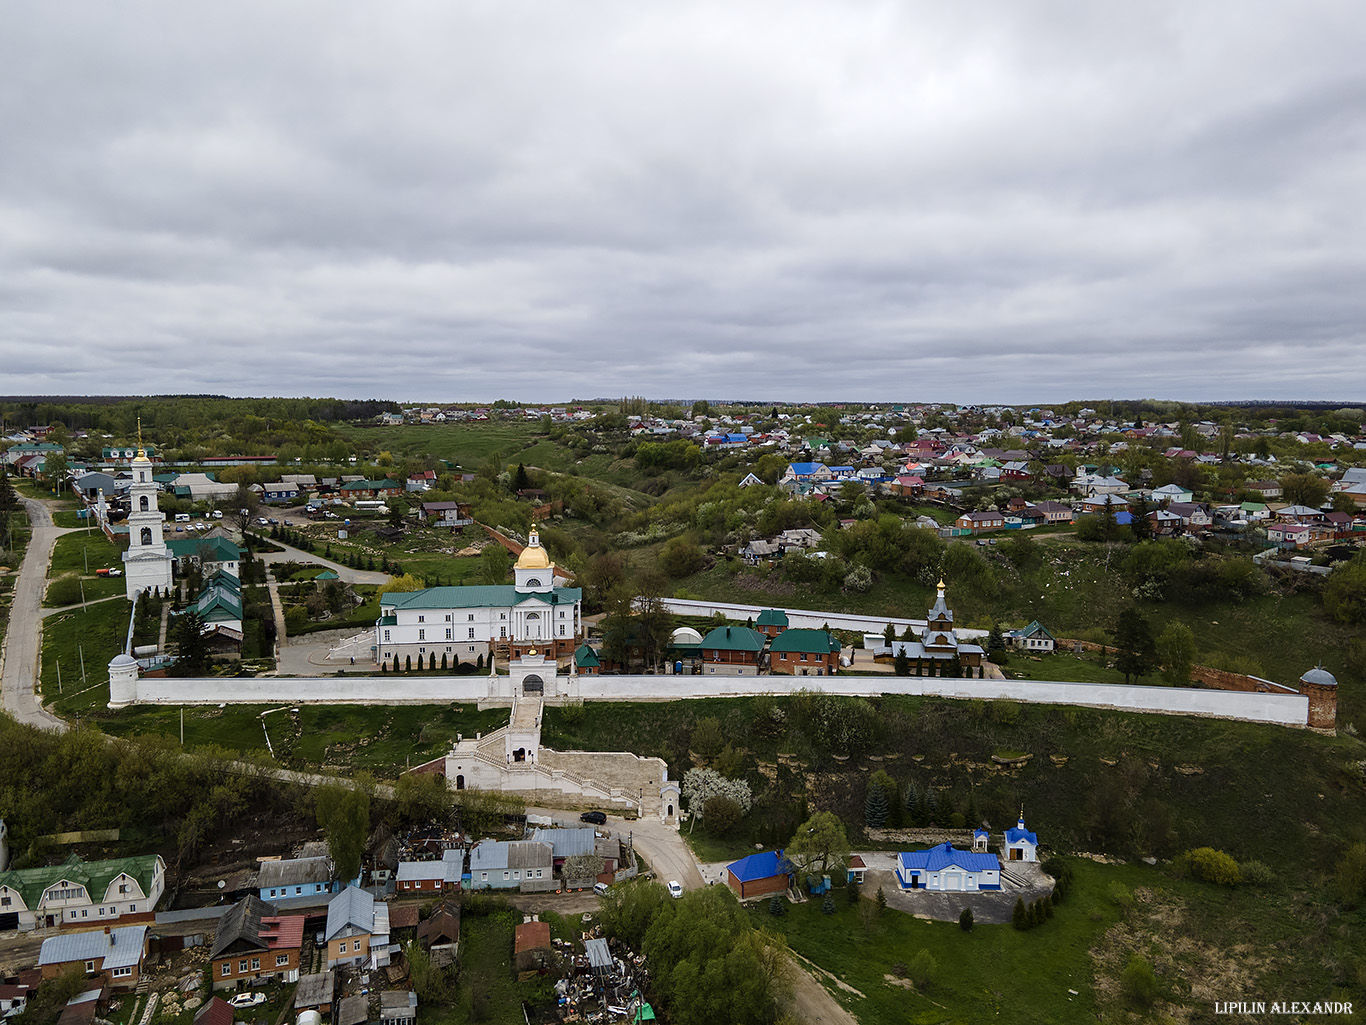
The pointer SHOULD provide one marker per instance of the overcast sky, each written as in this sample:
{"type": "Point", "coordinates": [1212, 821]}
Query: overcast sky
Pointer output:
{"type": "Point", "coordinates": [1014, 201]}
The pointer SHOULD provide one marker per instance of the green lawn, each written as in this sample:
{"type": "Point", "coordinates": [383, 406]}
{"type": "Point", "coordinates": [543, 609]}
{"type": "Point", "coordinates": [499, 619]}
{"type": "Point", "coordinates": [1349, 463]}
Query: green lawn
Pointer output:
{"type": "Point", "coordinates": [93, 635]}
{"type": "Point", "coordinates": [68, 518]}
{"type": "Point", "coordinates": [468, 445]}
{"type": "Point", "coordinates": [84, 552]}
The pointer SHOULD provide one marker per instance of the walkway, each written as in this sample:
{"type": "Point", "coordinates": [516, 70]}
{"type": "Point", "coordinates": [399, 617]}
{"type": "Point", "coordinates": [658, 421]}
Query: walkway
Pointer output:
{"type": "Point", "coordinates": [24, 636]}
{"type": "Point", "coordinates": [351, 576]}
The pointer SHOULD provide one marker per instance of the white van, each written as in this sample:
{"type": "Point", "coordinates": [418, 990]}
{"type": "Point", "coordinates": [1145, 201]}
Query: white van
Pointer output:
{"type": "Point", "coordinates": [600, 889]}
{"type": "Point", "coordinates": [182, 517]}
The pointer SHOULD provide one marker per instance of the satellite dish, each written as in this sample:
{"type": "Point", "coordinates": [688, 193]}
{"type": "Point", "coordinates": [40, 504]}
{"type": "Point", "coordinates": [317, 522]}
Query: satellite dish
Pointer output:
{"type": "Point", "coordinates": [222, 883]}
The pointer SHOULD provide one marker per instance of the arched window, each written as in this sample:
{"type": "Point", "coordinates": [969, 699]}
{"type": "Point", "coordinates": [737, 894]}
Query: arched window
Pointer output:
{"type": "Point", "coordinates": [146, 535]}
{"type": "Point", "coordinates": [533, 582]}
{"type": "Point", "coordinates": [533, 615]}
{"type": "Point", "coordinates": [143, 503]}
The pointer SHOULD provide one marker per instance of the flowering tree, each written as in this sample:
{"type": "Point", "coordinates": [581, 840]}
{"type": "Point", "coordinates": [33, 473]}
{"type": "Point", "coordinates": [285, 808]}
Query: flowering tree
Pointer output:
{"type": "Point", "coordinates": [700, 785]}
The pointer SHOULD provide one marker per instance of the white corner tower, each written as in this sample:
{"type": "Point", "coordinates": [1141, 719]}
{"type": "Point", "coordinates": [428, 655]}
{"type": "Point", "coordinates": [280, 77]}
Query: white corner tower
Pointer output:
{"type": "Point", "coordinates": [147, 563]}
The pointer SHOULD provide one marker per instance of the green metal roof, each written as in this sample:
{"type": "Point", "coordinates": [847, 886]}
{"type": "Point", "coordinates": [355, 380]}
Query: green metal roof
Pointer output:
{"type": "Point", "coordinates": [474, 596]}
{"type": "Point", "coordinates": [772, 617]}
{"type": "Point", "coordinates": [370, 485]}
{"type": "Point", "coordinates": [95, 876]}
{"type": "Point", "coordinates": [210, 549]}
{"type": "Point", "coordinates": [816, 642]}
{"type": "Point", "coordinates": [585, 657]}
{"type": "Point", "coordinates": [734, 638]}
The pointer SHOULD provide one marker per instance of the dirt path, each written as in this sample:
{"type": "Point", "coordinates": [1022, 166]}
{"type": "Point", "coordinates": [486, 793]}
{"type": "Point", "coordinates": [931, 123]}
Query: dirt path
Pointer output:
{"type": "Point", "coordinates": [811, 1002]}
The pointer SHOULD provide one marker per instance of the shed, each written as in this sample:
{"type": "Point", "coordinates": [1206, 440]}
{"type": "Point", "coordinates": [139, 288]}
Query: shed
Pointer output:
{"type": "Point", "coordinates": [759, 875]}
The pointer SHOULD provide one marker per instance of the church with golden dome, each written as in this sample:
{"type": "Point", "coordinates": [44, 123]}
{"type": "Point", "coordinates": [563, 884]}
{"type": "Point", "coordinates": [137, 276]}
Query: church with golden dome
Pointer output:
{"type": "Point", "coordinates": [492, 620]}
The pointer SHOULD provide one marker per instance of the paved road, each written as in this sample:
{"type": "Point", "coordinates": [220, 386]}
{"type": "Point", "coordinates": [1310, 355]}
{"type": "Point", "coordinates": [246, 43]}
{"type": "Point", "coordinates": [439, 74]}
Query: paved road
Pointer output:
{"type": "Point", "coordinates": [23, 638]}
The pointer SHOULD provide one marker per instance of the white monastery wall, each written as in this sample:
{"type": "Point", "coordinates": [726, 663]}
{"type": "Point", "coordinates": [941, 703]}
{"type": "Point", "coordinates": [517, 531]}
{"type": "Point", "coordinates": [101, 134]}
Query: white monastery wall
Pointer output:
{"type": "Point", "coordinates": [802, 618]}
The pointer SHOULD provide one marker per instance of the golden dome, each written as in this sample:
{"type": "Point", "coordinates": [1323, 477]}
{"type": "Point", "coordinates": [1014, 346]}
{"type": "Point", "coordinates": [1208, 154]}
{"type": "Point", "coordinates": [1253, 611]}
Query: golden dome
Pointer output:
{"type": "Point", "coordinates": [533, 555]}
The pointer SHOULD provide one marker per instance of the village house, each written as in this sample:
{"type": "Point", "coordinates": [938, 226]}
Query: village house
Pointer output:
{"type": "Point", "coordinates": [370, 490]}
{"type": "Point", "coordinates": [283, 493]}
{"type": "Point", "coordinates": [444, 514]}
{"type": "Point", "coordinates": [771, 622]}
{"type": "Point", "coordinates": [586, 661]}
{"type": "Point", "coordinates": [1054, 512]}
{"type": "Point", "coordinates": [946, 868]}
{"type": "Point", "coordinates": [1171, 493]}
{"type": "Point", "coordinates": [81, 893]}
{"type": "Point", "coordinates": [357, 931]}
{"type": "Point", "coordinates": [296, 877]}
{"type": "Point", "coordinates": [804, 653]}
{"type": "Point", "coordinates": [209, 554]}
{"type": "Point", "coordinates": [252, 943]}
{"type": "Point", "coordinates": [733, 650]}
{"type": "Point", "coordinates": [512, 865]}
{"type": "Point", "coordinates": [980, 521]}
{"type": "Point", "coordinates": [113, 955]}
{"type": "Point", "coordinates": [1034, 638]}
{"type": "Point", "coordinates": [431, 876]}
{"type": "Point", "coordinates": [1266, 490]}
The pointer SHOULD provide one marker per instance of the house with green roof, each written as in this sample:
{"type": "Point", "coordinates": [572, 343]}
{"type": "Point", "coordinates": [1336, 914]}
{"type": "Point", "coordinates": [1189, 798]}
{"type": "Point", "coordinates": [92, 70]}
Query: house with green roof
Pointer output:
{"type": "Point", "coordinates": [733, 651]}
{"type": "Point", "coordinates": [586, 661]}
{"type": "Point", "coordinates": [210, 554]}
{"type": "Point", "coordinates": [370, 489]}
{"type": "Point", "coordinates": [1033, 638]}
{"type": "Point", "coordinates": [219, 608]}
{"type": "Point", "coordinates": [804, 653]}
{"type": "Point", "coordinates": [81, 893]}
{"type": "Point", "coordinates": [771, 622]}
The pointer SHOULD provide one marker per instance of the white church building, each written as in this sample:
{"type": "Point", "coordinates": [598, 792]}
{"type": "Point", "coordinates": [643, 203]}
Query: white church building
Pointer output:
{"type": "Point", "coordinates": [147, 563]}
{"type": "Point", "coordinates": [470, 621]}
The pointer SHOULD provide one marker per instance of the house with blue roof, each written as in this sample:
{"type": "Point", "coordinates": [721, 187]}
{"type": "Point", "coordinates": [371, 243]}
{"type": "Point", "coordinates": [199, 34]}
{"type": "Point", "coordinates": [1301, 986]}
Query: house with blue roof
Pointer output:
{"type": "Point", "coordinates": [1021, 844]}
{"type": "Point", "coordinates": [806, 473]}
{"type": "Point", "coordinates": [760, 875]}
{"type": "Point", "coordinates": [948, 869]}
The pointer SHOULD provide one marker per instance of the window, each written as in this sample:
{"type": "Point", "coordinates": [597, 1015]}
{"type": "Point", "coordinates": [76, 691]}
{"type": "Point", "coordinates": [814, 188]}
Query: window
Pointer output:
{"type": "Point", "coordinates": [502, 615]}
{"type": "Point", "coordinates": [123, 888]}
{"type": "Point", "coordinates": [146, 535]}
{"type": "Point", "coordinates": [242, 965]}
{"type": "Point", "coordinates": [471, 633]}
{"type": "Point", "coordinates": [449, 617]}
{"type": "Point", "coordinates": [561, 613]}
{"type": "Point", "coordinates": [132, 909]}
{"type": "Point", "coordinates": [561, 629]}
{"type": "Point", "coordinates": [281, 960]}
{"type": "Point", "coordinates": [505, 875]}
{"type": "Point", "coordinates": [121, 973]}
{"type": "Point", "coordinates": [101, 911]}
{"type": "Point", "coordinates": [143, 504]}
{"type": "Point", "coordinates": [85, 912]}
{"type": "Point", "coordinates": [422, 619]}
{"type": "Point", "coordinates": [298, 889]}
{"type": "Point", "coordinates": [471, 617]}
{"type": "Point", "coordinates": [483, 877]}
{"type": "Point", "coordinates": [448, 633]}
{"type": "Point", "coordinates": [255, 964]}
{"type": "Point", "coordinates": [90, 966]}
{"type": "Point", "coordinates": [516, 874]}
{"type": "Point", "coordinates": [386, 636]}
{"type": "Point", "coordinates": [272, 893]}
{"type": "Point", "coordinates": [4, 902]}
{"type": "Point", "coordinates": [226, 970]}
{"type": "Point", "coordinates": [422, 635]}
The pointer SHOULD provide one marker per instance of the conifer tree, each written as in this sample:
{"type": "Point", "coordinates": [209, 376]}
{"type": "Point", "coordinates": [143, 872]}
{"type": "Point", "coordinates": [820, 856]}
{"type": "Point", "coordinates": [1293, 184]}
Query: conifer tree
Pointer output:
{"type": "Point", "coordinates": [1019, 918]}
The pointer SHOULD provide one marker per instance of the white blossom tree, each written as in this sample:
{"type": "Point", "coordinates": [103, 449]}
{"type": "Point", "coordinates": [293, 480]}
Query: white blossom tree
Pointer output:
{"type": "Point", "coordinates": [700, 785]}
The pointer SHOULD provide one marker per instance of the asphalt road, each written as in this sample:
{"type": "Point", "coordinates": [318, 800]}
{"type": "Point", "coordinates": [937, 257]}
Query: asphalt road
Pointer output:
{"type": "Point", "coordinates": [23, 638]}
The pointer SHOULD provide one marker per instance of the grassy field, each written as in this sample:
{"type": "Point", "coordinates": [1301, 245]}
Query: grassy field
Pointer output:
{"type": "Point", "coordinates": [75, 553]}
{"type": "Point", "coordinates": [18, 536]}
{"type": "Point", "coordinates": [466, 445]}
{"type": "Point", "coordinates": [488, 990]}
{"type": "Point", "coordinates": [92, 635]}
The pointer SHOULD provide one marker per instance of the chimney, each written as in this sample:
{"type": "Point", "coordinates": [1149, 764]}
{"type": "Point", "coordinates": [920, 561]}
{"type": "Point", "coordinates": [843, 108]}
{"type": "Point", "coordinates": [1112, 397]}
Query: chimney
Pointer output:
{"type": "Point", "coordinates": [108, 933]}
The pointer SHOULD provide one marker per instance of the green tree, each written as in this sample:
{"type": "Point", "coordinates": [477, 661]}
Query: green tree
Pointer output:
{"type": "Point", "coordinates": [875, 808]}
{"type": "Point", "coordinates": [494, 563]}
{"type": "Point", "coordinates": [1344, 595]}
{"type": "Point", "coordinates": [965, 920]}
{"type": "Point", "coordinates": [432, 984]}
{"type": "Point", "coordinates": [680, 557]}
{"type": "Point", "coordinates": [923, 969]}
{"type": "Point", "coordinates": [1351, 875]}
{"type": "Point", "coordinates": [1305, 489]}
{"type": "Point", "coordinates": [1135, 649]}
{"type": "Point", "coordinates": [1176, 649]}
{"type": "Point", "coordinates": [1139, 983]}
{"type": "Point", "coordinates": [422, 798]}
{"type": "Point", "coordinates": [707, 738]}
{"type": "Point", "coordinates": [192, 655]}
{"type": "Point", "coordinates": [344, 814]}
{"type": "Point", "coordinates": [721, 815]}
{"type": "Point", "coordinates": [1213, 866]}
{"type": "Point", "coordinates": [820, 845]}
{"type": "Point", "coordinates": [1019, 917]}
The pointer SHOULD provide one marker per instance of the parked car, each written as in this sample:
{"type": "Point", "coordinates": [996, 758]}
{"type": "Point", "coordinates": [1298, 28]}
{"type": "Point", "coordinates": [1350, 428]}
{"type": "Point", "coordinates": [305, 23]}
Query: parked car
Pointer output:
{"type": "Point", "coordinates": [675, 888]}
{"type": "Point", "coordinates": [600, 889]}
{"type": "Point", "coordinates": [598, 818]}
{"type": "Point", "coordinates": [247, 999]}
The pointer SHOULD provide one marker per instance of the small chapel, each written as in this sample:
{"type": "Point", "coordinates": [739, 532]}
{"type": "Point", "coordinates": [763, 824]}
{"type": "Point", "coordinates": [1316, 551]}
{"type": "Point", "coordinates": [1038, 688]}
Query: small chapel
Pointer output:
{"type": "Point", "coordinates": [939, 648]}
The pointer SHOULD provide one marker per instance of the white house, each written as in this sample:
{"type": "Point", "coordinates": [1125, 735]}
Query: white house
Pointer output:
{"type": "Point", "coordinates": [1171, 493]}
{"type": "Point", "coordinates": [81, 893]}
{"type": "Point", "coordinates": [1021, 844]}
{"type": "Point", "coordinates": [466, 622]}
{"type": "Point", "coordinates": [949, 869]}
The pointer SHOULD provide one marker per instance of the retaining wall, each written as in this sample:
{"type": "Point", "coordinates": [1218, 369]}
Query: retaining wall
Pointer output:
{"type": "Point", "coordinates": [1285, 709]}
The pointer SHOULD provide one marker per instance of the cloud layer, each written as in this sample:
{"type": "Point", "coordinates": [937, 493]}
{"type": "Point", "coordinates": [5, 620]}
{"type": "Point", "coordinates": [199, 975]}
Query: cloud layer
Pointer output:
{"type": "Point", "coordinates": [996, 202]}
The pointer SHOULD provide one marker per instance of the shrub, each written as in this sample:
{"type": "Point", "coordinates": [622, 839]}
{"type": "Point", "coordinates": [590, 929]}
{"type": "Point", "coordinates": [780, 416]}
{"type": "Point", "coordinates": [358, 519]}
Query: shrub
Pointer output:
{"type": "Point", "coordinates": [1256, 873]}
{"type": "Point", "coordinates": [923, 969]}
{"type": "Point", "coordinates": [1019, 918]}
{"type": "Point", "coordinates": [1213, 866]}
{"type": "Point", "coordinates": [776, 907]}
{"type": "Point", "coordinates": [851, 893]}
{"type": "Point", "coordinates": [1139, 983]}
{"type": "Point", "coordinates": [828, 905]}
{"type": "Point", "coordinates": [1120, 895]}
{"type": "Point", "coordinates": [965, 920]}
{"type": "Point", "coordinates": [721, 815]}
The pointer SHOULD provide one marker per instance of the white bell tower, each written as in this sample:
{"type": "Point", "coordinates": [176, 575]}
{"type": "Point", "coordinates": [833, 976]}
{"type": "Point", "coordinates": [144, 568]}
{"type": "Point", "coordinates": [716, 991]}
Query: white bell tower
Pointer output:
{"type": "Point", "coordinates": [147, 563]}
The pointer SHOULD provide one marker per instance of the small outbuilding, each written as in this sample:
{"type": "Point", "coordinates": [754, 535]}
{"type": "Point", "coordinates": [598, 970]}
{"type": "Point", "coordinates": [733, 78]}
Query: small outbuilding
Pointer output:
{"type": "Point", "coordinates": [759, 875]}
{"type": "Point", "coordinates": [1021, 844]}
